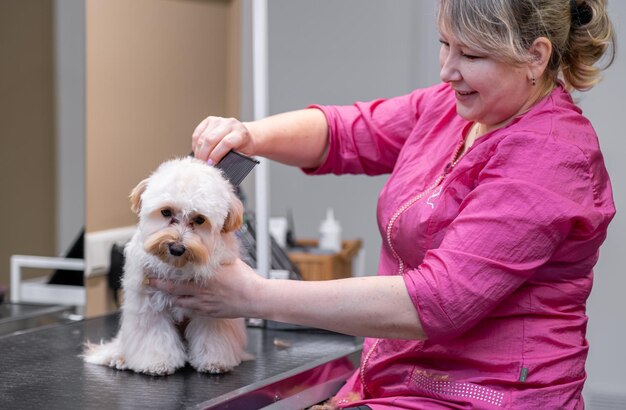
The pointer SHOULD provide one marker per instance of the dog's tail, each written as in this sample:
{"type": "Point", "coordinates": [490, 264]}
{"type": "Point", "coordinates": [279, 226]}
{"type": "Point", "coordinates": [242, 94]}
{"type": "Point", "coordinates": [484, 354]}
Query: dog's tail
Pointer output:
{"type": "Point", "coordinates": [104, 354]}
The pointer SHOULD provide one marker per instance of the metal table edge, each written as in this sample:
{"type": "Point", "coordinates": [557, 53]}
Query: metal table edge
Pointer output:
{"type": "Point", "coordinates": [355, 352]}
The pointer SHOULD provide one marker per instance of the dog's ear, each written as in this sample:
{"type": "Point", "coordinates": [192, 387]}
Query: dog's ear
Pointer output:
{"type": "Point", "coordinates": [135, 196]}
{"type": "Point", "coordinates": [234, 219]}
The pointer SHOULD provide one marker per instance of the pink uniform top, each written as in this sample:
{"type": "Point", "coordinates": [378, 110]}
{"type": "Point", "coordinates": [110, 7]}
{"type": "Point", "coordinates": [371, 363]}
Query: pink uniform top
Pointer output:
{"type": "Point", "coordinates": [496, 251]}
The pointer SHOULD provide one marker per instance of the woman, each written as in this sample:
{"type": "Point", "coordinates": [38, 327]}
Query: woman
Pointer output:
{"type": "Point", "coordinates": [497, 203]}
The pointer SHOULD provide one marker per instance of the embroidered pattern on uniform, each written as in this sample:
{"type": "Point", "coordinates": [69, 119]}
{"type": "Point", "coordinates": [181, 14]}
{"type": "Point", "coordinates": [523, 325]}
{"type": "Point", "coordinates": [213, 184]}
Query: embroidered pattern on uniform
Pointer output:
{"type": "Point", "coordinates": [434, 195]}
{"type": "Point", "coordinates": [468, 390]}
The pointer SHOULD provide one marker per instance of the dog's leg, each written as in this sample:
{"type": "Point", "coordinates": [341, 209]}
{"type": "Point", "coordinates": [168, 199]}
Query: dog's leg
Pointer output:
{"type": "Point", "coordinates": [216, 345]}
{"type": "Point", "coordinates": [147, 343]}
{"type": "Point", "coordinates": [150, 343]}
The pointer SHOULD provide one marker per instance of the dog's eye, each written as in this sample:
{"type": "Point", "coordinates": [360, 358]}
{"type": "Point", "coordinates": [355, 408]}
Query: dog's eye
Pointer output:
{"type": "Point", "coordinates": [166, 213]}
{"type": "Point", "coordinates": [199, 220]}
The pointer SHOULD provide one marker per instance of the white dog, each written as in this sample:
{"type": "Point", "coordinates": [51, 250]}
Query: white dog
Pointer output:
{"type": "Point", "coordinates": [188, 213]}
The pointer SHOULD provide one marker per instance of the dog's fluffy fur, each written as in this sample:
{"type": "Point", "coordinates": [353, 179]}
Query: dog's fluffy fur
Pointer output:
{"type": "Point", "coordinates": [187, 216]}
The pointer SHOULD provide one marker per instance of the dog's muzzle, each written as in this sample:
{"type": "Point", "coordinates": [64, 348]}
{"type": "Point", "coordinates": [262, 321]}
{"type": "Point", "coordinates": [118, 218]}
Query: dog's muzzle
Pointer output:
{"type": "Point", "coordinates": [176, 249]}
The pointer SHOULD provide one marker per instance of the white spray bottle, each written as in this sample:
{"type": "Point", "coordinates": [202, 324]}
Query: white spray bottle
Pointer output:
{"type": "Point", "coordinates": [330, 233]}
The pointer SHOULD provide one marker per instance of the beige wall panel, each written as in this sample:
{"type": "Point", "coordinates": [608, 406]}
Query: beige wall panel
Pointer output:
{"type": "Point", "coordinates": [99, 297]}
{"type": "Point", "coordinates": [155, 68]}
{"type": "Point", "coordinates": [27, 163]}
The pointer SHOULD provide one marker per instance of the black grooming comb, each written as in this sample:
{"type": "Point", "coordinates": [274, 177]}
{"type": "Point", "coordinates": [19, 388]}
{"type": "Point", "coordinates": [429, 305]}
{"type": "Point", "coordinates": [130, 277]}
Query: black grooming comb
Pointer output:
{"type": "Point", "coordinates": [236, 166]}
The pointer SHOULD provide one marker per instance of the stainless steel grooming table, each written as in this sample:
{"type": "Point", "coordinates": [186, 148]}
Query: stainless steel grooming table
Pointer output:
{"type": "Point", "coordinates": [41, 368]}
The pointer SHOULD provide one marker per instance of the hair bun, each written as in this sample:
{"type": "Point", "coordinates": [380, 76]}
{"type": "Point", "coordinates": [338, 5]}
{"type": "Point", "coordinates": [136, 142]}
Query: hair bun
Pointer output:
{"type": "Point", "coordinates": [581, 13]}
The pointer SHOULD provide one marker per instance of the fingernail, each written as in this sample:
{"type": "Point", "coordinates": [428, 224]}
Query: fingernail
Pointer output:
{"type": "Point", "coordinates": [210, 161]}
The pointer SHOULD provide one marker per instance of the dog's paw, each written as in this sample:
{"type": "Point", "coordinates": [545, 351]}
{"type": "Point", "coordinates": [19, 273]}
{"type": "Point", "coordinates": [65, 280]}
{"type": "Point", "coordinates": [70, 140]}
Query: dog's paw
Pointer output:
{"type": "Point", "coordinates": [223, 361]}
{"type": "Point", "coordinates": [158, 369]}
{"type": "Point", "coordinates": [213, 368]}
{"type": "Point", "coordinates": [223, 364]}
{"type": "Point", "coordinates": [156, 362]}
{"type": "Point", "coordinates": [215, 364]}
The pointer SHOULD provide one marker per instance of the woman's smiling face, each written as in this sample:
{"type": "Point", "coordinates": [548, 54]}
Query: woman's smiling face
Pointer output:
{"type": "Point", "coordinates": [488, 91]}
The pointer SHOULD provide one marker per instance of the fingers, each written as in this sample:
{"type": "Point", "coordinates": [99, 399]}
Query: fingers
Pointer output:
{"type": "Point", "coordinates": [190, 297]}
{"type": "Point", "coordinates": [231, 141]}
{"type": "Point", "coordinates": [219, 296]}
{"type": "Point", "coordinates": [198, 131]}
{"type": "Point", "coordinates": [215, 136]}
{"type": "Point", "coordinates": [184, 295]}
{"type": "Point", "coordinates": [174, 288]}
{"type": "Point", "coordinates": [204, 138]}
{"type": "Point", "coordinates": [188, 302]}
{"type": "Point", "coordinates": [202, 151]}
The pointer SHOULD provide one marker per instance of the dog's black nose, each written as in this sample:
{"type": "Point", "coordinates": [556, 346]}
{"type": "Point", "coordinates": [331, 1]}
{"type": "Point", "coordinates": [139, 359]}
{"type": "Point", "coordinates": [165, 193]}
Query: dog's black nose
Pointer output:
{"type": "Point", "coordinates": [176, 249]}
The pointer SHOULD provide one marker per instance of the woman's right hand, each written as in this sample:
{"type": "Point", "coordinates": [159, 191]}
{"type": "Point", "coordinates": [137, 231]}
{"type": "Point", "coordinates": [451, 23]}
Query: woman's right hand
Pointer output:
{"type": "Point", "coordinates": [298, 138]}
{"type": "Point", "coordinates": [214, 137]}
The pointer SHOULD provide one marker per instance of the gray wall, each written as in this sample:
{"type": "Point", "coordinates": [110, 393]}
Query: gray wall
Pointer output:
{"type": "Point", "coordinates": [332, 52]}
{"type": "Point", "coordinates": [604, 105]}
{"type": "Point", "coordinates": [338, 52]}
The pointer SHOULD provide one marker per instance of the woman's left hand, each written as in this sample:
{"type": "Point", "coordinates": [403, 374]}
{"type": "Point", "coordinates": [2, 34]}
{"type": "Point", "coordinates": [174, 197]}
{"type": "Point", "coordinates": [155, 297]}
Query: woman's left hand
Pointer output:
{"type": "Point", "coordinates": [372, 306]}
{"type": "Point", "coordinates": [229, 293]}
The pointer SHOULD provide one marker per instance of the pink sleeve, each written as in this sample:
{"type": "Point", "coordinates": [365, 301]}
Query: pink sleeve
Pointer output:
{"type": "Point", "coordinates": [366, 137]}
{"type": "Point", "coordinates": [515, 220]}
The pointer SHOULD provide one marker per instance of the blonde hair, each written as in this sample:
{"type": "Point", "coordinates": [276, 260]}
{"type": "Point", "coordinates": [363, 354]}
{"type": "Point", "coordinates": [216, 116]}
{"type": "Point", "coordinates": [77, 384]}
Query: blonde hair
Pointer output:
{"type": "Point", "coordinates": [580, 31]}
